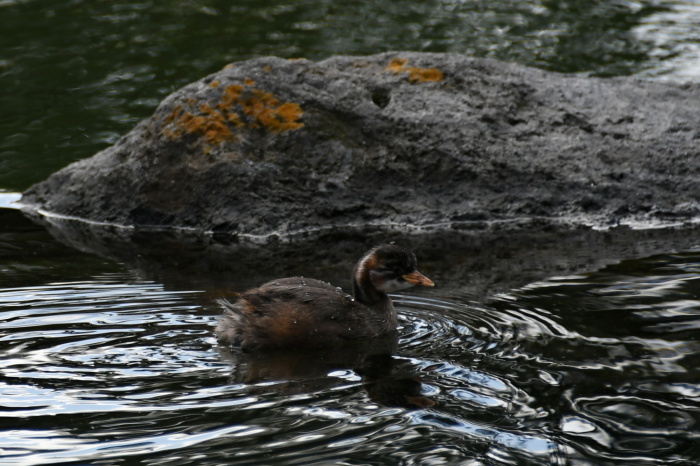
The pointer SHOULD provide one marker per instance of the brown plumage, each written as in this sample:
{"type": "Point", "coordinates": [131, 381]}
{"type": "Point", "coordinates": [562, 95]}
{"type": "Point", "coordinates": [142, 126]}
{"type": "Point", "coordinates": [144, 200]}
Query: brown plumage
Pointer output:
{"type": "Point", "coordinates": [295, 312]}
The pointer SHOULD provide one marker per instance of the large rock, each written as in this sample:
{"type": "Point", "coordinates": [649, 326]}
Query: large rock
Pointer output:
{"type": "Point", "coordinates": [274, 146]}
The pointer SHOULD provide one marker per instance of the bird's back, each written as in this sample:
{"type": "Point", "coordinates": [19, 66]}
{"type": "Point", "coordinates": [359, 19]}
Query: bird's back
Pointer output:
{"type": "Point", "coordinates": [294, 312]}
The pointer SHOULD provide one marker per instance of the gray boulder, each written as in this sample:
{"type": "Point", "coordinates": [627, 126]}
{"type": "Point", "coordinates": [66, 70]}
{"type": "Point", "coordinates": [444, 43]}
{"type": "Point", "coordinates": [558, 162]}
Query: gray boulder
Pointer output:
{"type": "Point", "coordinates": [400, 141]}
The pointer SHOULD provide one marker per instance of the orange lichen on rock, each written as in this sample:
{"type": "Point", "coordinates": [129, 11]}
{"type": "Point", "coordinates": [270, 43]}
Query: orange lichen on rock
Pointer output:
{"type": "Point", "coordinates": [214, 129]}
{"type": "Point", "coordinates": [214, 84]}
{"type": "Point", "coordinates": [177, 110]}
{"type": "Point", "coordinates": [210, 124]}
{"type": "Point", "coordinates": [398, 65]}
{"type": "Point", "coordinates": [424, 74]}
{"type": "Point", "coordinates": [230, 96]}
{"type": "Point", "coordinates": [239, 106]}
{"type": "Point", "coordinates": [266, 111]}
{"type": "Point", "coordinates": [289, 113]}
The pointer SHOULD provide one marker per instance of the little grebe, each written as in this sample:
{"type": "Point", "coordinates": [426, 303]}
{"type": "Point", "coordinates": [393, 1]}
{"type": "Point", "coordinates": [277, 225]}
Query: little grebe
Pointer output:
{"type": "Point", "coordinates": [305, 312]}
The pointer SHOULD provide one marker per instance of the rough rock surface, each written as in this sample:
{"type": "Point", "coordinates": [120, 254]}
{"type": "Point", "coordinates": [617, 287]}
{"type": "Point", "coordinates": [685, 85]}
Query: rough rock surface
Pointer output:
{"type": "Point", "coordinates": [274, 146]}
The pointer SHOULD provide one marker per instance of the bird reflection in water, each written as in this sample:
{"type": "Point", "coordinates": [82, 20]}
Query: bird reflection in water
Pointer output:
{"type": "Point", "coordinates": [388, 381]}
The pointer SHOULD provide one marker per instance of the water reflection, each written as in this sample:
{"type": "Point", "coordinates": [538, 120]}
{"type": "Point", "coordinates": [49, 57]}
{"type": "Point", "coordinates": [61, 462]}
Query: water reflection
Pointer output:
{"type": "Point", "coordinates": [624, 347]}
{"type": "Point", "coordinates": [535, 349]}
{"type": "Point", "coordinates": [384, 378]}
{"type": "Point", "coordinates": [670, 59]}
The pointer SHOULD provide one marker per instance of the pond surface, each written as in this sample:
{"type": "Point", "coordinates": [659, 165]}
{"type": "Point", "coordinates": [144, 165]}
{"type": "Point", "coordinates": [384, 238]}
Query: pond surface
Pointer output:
{"type": "Point", "coordinates": [104, 363]}
{"type": "Point", "coordinates": [544, 348]}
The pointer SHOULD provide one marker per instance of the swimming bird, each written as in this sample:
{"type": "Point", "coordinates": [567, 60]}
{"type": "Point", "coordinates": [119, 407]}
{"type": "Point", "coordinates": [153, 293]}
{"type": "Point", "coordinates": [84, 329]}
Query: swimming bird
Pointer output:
{"type": "Point", "coordinates": [304, 312]}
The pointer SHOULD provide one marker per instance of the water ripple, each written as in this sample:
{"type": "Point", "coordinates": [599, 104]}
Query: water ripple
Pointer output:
{"type": "Point", "coordinates": [590, 368]}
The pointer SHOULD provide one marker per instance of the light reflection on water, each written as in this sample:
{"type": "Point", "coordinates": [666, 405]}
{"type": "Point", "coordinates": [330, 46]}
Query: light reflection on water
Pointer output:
{"type": "Point", "coordinates": [670, 59]}
{"type": "Point", "coordinates": [98, 364]}
{"type": "Point", "coordinates": [594, 367]}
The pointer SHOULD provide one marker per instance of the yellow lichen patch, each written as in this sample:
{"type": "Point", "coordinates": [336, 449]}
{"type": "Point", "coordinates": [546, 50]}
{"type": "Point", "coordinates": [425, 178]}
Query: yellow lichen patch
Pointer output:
{"type": "Point", "coordinates": [424, 74]}
{"type": "Point", "coordinates": [234, 119]}
{"type": "Point", "coordinates": [177, 110]}
{"type": "Point", "coordinates": [238, 106]}
{"type": "Point", "coordinates": [288, 114]}
{"type": "Point", "coordinates": [398, 65]}
{"type": "Point", "coordinates": [282, 118]}
{"type": "Point", "coordinates": [214, 129]}
{"type": "Point", "coordinates": [266, 111]}
{"type": "Point", "coordinates": [210, 126]}
{"type": "Point", "coordinates": [254, 103]}
{"type": "Point", "coordinates": [267, 69]}
{"type": "Point", "coordinates": [214, 84]}
{"type": "Point", "coordinates": [230, 96]}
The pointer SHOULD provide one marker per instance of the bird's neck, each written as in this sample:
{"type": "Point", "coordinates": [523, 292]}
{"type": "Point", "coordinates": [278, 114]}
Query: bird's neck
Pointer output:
{"type": "Point", "coordinates": [365, 293]}
{"type": "Point", "coordinates": [378, 301]}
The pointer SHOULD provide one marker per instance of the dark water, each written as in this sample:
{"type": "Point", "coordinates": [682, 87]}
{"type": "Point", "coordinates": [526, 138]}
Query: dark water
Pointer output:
{"type": "Point", "coordinates": [553, 348]}
{"type": "Point", "coordinates": [104, 363]}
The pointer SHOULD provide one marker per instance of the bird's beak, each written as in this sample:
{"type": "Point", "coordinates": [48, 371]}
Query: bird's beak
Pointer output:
{"type": "Point", "coordinates": [417, 278]}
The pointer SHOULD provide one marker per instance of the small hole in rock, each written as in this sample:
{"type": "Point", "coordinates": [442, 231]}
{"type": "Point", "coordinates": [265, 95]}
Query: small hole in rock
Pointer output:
{"type": "Point", "coordinates": [381, 97]}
